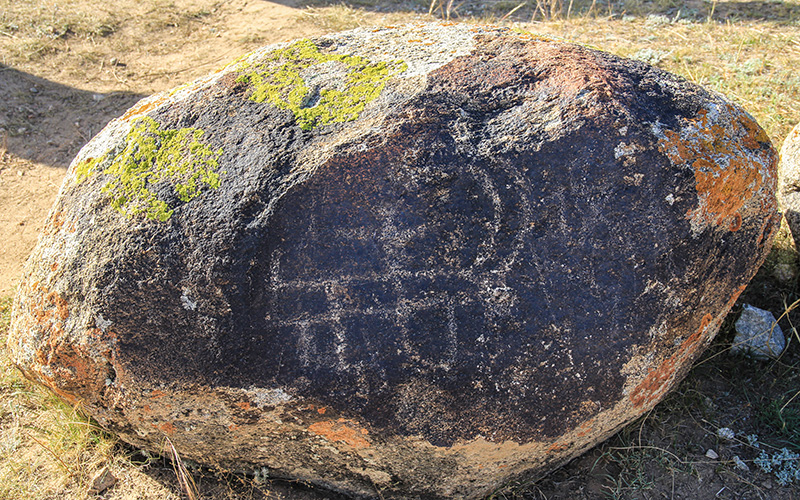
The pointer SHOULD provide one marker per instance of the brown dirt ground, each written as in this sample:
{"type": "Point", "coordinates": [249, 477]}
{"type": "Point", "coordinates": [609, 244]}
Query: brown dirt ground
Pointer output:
{"type": "Point", "coordinates": [54, 105]}
{"type": "Point", "coordinates": [69, 70]}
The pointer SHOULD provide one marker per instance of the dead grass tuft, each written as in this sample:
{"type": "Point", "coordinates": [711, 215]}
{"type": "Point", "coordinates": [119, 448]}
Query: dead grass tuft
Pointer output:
{"type": "Point", "coordinates": [335, 17]}
{"type": "Point", "coordinates": [46, 447]}
{"type": "Point", "coordinates": [49, 450]}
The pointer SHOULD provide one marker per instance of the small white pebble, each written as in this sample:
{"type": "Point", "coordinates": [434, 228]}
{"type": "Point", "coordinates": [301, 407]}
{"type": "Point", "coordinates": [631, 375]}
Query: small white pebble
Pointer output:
{"type": "Point", "coordinates": [712, 454]}
{"type": "Point", "coordinates": [188, 303]}
{"type": "Point", "coordinates": [725, 433]}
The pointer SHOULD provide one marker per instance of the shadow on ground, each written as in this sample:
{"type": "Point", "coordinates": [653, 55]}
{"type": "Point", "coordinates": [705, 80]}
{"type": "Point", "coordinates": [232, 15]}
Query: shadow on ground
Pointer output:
{"type": "Point", "coordinates": [780, 12]}
{"type": "Point", "coordinates": [47, 122]}
{"type": "Point", "coordinates": [210, 484]}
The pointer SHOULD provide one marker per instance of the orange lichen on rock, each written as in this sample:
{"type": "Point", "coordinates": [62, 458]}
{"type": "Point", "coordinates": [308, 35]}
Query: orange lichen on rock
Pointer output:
{"type": "Point", "coordinates": [72, 368]}
{"type": "Point", "coordinates": [658, 381]}
{"type": "Point", "coordinates": [167, 428]}
{"type": "Point", "coordinates": [144, 107]}
{"type": "Point", "coordinates": [585, 428]}
{"type": "Point", "coordinates": [341, 430]}
{"type": "Point", "coordinates": [157, 393]}
{"type": "Point", "coordinates": [46, 310]}
{"type": "Point", "coordinates": [755, 136]}
{"type": "Point", "coordinates": [734, 297]}
{"type": "Point", "coordinates": [557, 447]}
{"type": "Point", "coordinates": [736, 222]}
{"type": "Point", "coordinates": [532, 37]}
{"type": "Point", "coordinates": [54, 223]}
{"type": "Point", "coordinates": [61, 310]}
{"type": "Point", "coordinates": [725, 191]}
{"type": "Point", "coordinates": [65, 364]}
{"type": "Point", "coordinates": [728, 163]}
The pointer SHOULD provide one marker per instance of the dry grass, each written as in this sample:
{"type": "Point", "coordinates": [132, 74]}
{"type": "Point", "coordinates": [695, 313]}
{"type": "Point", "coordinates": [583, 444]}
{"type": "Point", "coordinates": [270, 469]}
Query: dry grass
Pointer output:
{"type": "Point", "coordinates": [138, 46]}
{"type": "Point", "coordinates": [49, 450]}
{"type": "Point", "coordinates": [40, 29]}
{"type": "Point", "coordinates": [46, 448]}
{"type": "Point", "coordinates": [335, 17]}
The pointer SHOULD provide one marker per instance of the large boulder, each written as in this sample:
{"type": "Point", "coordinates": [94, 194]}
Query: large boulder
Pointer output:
{"type": "Point", "coordinates": [789, 182]}
{"type": "Point", "coordinates": [408, 262]}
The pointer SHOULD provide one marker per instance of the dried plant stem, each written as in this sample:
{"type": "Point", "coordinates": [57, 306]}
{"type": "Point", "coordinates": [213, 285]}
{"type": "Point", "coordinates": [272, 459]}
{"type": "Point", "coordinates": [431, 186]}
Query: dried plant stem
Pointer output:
{"type": "Point", "coordinates": [184, 478]}
{"type": "Point", "coordinates": [514, 10]}
{"type": "Point", "coordinates": [55, 455]}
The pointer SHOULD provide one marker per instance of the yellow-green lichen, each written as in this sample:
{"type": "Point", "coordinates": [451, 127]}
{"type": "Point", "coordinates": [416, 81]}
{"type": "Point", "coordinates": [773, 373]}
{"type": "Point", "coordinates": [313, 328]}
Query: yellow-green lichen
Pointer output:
{"type": "Point", "coordinates": [278, 79]}
{"type": "Point", "coordinates": [86, 168]}
{"type": "Point", "coordinates": [152, 155]}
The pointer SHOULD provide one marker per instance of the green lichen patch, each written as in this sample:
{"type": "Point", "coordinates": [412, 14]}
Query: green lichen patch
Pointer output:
{"type": "Point", "coordinates": [278, 79]}
{"type": "Point", "coordinates": [152, 155]}
{"type": "Point", "coordinates": [87, 168]}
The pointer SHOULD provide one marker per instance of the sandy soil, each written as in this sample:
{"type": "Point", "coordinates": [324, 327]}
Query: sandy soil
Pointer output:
{"type": "Point", "coordinates": [26, 193]}
{"type": "Point", "coordinates": [54, 105]}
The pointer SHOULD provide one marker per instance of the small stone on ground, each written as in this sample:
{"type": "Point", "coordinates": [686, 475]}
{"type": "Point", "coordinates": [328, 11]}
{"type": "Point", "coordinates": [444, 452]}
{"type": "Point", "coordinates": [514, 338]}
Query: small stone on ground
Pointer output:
{"type": "Point", "coordinates": [758, 334]}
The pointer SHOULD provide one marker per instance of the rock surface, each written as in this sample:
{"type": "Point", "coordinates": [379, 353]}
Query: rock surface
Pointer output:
{"type": "Point", "coordinates": [408, 262]}
{"type": "Point", "coordinates": [758, 334]}
{"type": "Point", "coordinates": [789, 182]}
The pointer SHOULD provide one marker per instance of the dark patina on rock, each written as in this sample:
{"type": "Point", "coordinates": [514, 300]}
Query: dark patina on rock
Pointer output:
{"type": "Point", "coordinates": [412, 262]}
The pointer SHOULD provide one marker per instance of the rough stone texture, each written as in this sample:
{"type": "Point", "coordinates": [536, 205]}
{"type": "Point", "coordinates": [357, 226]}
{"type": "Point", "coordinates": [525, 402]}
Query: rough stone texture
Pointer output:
{"type": "Point", "coordinates": [411, 262]}
{"type": "Point", "coordinates": [758, 334]}
{"type": "Point", "coordinates": [789, 182]}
